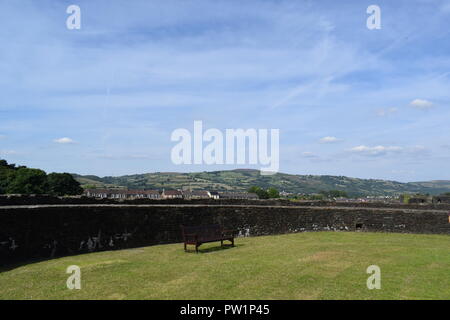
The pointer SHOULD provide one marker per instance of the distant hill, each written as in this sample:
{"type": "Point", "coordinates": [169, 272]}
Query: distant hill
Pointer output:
{"type": "Point", "coordinates": [242, 179]}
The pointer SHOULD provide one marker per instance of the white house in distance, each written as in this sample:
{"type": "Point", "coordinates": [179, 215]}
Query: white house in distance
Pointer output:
{"type": "Point", "coordinates": [166, 194]}
{"type": "Point", "coordinates": [122, 194]}
{"type": "Point", "coordinates": [172, 194]}
{"type": "Point", "coordinates": [196, 194]}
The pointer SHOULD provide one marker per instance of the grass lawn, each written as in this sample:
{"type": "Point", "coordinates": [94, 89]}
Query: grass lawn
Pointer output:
{"type": "Point", "coordinates": [315, 265]}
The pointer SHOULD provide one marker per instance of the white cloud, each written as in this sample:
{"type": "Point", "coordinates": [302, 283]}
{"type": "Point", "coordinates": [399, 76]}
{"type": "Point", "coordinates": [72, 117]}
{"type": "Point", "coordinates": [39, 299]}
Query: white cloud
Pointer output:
{"type": "Point", "coordinates": [375, 151]}
{"type": "Point", "coordinates": [418, 151]}
{"type": "Point", "coordinates": [64, 140]}
{"type": "Point", "coordinates": [384, 112]}
{"type": "Point", "coordinates": [329, 140]}
{"type": "Point", "coordinates": [8, 152]}
{"type": "Point", "coordinates": [411, 152]}
{"type": "Point", "coordinates": [421, 104]}
{"type": "Point", "coordinates": [124, 157]}
{"type": "Point", "coordinates": [308, 154]}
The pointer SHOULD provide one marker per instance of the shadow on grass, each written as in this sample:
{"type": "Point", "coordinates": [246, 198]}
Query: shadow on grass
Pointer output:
{"type": "Point", "coordinates": [214, 249]}
{"type": "Point", "coordinates": [11, 265]}
{"type": "Point", "coordinates": [17, 264]}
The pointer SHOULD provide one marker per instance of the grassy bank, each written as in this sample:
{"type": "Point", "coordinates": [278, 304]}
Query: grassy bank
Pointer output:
{"type": "Point", "coordinates": [322, 265]}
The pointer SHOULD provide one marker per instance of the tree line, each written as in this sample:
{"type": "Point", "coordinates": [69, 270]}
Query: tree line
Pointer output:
{"type": "Point", "coordinates": [270, 193]}
{"type": "Point", "coordinates": [22, 180]}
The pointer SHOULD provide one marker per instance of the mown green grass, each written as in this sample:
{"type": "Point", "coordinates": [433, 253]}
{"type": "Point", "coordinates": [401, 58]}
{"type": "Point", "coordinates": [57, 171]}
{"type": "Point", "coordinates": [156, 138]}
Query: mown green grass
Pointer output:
{"type": "Point", "coordinates": [321, 265]}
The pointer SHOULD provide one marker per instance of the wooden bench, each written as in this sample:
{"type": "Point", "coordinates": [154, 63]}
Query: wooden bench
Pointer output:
{"type": "Point", "coordinates": [206, 233]}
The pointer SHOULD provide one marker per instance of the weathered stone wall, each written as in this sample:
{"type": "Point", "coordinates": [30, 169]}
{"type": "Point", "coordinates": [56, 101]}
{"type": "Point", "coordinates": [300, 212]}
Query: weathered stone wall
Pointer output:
{"type": "Point", "coordinates": [12, 200]}
{"type": "Point", "coordinates": [47, 231]}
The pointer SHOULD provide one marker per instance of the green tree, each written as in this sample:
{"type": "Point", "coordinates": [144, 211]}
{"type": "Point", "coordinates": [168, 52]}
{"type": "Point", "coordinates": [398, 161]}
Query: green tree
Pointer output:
{"type": "Point", "coordinates": [262, 194]}
{"type": "Point", "coordinates": [62, 184]}
{"type": "Point", "coordinates": [315, 197]}
{"type": "Point", "coordinates": [273, 193]}
{"type": "Point", "coordinates": [334, 194]}
{"type": "Point", "coordinates": [6, 175]}
{"type": "Point", "coordinates": [404, 198]}
{"type": "Point", "coordinates": [253, 189]}
{"type": "Point", "coordinates": [5, 172]}
{"type": "Point", "coordinates": [28, 181]}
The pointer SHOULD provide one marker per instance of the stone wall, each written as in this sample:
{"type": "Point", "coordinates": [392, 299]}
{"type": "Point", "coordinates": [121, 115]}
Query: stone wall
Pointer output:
{"type": "Point", "coordinates": [12, 200]}
{"type": "Point", "coordinates": [46, 231]}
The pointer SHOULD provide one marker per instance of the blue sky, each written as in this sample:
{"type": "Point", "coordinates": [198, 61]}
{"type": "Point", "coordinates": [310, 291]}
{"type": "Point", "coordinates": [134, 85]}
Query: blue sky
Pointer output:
{"type": "Point", "coordinates": [348, 101]}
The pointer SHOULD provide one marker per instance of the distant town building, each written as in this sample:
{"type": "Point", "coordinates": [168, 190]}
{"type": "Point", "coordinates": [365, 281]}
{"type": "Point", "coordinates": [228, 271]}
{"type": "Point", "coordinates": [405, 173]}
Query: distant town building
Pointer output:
{"type": "Point", "coordinates": [196, 194]}
{"type": "Point", "coordinates": [172, 194]}
{"type": "Point", "coordinates": [97, 193]}
{"type": "Point", "coordinates": [166, 194]}
{"type": "Point", "coordinates": [122, 194]}
{"type": "Point", "coordinates": [238, 195]}
{"type": "Point", "coordinates": [146, 194]}
{"type": "Point", "coordinates": [214, 194]}
{"type": "Point", "coordinates": [286, 194]}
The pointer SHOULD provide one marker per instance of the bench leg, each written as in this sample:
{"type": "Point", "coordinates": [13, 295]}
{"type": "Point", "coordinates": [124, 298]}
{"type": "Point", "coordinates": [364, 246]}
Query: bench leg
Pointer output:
{"type": "Point", "coordinates": [185, 247]}
{"type": "Point", "coordinates": [221, 243]}
{"type": "Point", "coordinates": [232, 242]}
{"type": "Point", "coordinates": [196, 248]}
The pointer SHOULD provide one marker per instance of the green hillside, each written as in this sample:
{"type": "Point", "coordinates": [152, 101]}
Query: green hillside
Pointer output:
{"type": "Point", "coordinates": [242, 179]}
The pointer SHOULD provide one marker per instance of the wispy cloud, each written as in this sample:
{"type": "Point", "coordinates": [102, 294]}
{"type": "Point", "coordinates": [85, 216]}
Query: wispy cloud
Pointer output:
{"type": "Point", "coordinates": [300, 66]}
{"type": "Point", "coordinates": [64, 140]}
{"type": "Point", "coordinates": [445, 7]}
{"type": "Point", "coordinates": [421, 104]}
{"type": "Point", "coordinates": [308, 154]}
{"type": "Point", "coordinates": [124, 157]}
{"type": "Point", "coordinates": [413, 152]}
{"type": "Point", "coordinates": [8, 152]}
{"type": "Point", "coordinates": [329, 139]}
{"type": "Point", "coordinates": [375, 151]}
{"type": "Point", "coordinates": [384, 112]}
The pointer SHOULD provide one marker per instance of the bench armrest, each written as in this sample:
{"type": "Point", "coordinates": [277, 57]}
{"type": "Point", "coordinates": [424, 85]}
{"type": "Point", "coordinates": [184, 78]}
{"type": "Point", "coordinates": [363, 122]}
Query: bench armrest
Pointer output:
{"type": "Point", "coordinates": [228, 232]}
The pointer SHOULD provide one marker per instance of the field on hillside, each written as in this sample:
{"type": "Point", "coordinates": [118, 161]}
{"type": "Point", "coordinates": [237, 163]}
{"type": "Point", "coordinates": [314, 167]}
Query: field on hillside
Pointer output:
{"type": "Point", "coordinates": [316, 265]}
{"type": "Point", "coordinates": [242, 179]}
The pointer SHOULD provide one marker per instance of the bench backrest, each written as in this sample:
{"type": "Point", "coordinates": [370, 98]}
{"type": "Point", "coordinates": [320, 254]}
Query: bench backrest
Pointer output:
{"type": "Point", "coordinates": [203, 232]}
